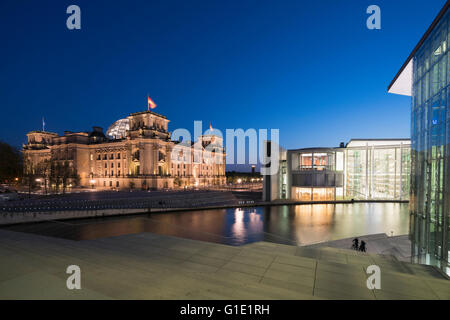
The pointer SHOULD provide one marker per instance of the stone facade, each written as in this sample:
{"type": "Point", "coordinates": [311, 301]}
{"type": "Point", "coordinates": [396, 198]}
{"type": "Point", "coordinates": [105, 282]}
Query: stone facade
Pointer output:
{"type": "Point", "coordinates": [144, 157]}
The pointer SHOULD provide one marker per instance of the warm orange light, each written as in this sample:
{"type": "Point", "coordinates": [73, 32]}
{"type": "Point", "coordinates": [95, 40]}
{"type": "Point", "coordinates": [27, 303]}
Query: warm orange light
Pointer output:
{"type": "Point", "coordinates": [151, 104]}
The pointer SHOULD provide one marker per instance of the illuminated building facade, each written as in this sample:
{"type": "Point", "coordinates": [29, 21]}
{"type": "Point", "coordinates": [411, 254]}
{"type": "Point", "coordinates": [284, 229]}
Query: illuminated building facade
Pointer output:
{"type": "Point", "coordinates": [136, 152]}
{"type": "Point", "coordinates": [371, 169]}
{"type": "Point", "coordinates": [425, 76]}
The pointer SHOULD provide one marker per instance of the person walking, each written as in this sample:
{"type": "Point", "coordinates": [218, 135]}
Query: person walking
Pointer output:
{"type": "Point", "coordinates": [355, 244]}
{"type": "Point", "coordinates": [362, 247]}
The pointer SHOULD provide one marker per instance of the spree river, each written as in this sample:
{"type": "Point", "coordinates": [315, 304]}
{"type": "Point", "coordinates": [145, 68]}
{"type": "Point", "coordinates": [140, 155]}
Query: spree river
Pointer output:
{"type": "Point", "coordinates": [289, 224]}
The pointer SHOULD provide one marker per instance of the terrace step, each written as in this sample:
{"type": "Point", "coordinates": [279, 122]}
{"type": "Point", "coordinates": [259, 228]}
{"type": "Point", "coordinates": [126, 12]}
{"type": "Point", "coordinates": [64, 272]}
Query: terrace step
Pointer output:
{"type": "Point", "coordinates": [350, 257]}
{"type": "Point", "coordinates": [146, 266]}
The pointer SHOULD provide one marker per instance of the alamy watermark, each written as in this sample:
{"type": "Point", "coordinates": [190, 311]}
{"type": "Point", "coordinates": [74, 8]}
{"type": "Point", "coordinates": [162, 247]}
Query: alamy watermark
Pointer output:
{"type": "Point", "coordinates": [374, 20]}
{"type": "Point", "coordinates": [74, 20]}
{"type": "Point", "coordinates": [211, 149]}
{"type": "Point", "coordinates": [74, 280]}
{"type": "Point", "coordinates": [374, 280]}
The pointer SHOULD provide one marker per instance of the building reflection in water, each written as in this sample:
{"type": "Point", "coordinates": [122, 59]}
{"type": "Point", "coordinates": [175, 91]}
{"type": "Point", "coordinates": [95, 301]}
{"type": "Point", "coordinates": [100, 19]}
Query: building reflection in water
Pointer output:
{"type": "Point", "coordinates": [307, 224]}
{"type": "Point", "coordinates": [247, 227]}
{"type": "Point", "coordinates": [300, 224]}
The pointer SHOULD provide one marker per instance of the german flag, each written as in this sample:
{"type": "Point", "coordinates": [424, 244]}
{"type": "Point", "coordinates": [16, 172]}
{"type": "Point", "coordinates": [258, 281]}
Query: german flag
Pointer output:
{"type": "Point", "coordinates": [151, 104]}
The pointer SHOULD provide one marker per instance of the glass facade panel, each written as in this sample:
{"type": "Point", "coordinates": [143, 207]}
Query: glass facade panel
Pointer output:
{"type": "Point", "coordinates": [306, 161]}
{"type": "Point", "coordinates": [378, 172]}
{"type": "Point", "coordinates": [339, 161]}
{"type": "Point", "coordinates": [320, 161]}
{"type": "Point", "coordinates": [356, 169]}
{"type": "Point", "coordinates": [323, 194]}
{"type": "Point", "coordinates": [314, 194]}
{"type": "Point", "coordinates": [430, 169]}
{"type": "Point", "coordinates": [302, 194]}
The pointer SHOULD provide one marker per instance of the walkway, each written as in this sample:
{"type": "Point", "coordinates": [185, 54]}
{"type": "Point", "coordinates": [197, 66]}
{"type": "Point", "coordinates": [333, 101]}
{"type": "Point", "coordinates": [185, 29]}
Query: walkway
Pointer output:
{"type": "Point", "coordinates": [397, 246]}
{"type": "Point", "coordinates": [150, 266]}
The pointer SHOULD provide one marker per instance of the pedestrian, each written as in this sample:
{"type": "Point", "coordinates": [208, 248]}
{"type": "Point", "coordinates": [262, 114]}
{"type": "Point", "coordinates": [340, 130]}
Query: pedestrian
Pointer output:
{"type": "Point", "coordinates": [362, 247]}
{"type": "Point", "coordinates": [355, 244]}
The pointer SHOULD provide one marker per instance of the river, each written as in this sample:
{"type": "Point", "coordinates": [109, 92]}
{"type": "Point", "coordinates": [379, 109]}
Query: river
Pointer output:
{"type": "Point", "coordinates": [289, 224]}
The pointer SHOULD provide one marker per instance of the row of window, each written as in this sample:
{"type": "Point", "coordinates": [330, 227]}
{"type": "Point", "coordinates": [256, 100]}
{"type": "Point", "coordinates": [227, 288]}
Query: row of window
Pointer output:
{"type": "Point", "coordinates": [112, 165]}
{"type": "Point", "coordinates": [111, 184]}
{"type": "Point", "coordinates": [154, 125]}
{"type": "Point", "coordinates": [112, 173]}
{"type": "Point", "coordinates": [111, 156]}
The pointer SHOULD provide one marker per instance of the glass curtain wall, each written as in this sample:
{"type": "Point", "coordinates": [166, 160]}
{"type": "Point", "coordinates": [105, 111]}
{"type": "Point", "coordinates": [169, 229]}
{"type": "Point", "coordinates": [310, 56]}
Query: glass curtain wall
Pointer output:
{"type": "Point", "coordinates": [430, 172]}
{"type": "Point", "coordinates": [315, 161]}
{"type": "Point", "coordinates": [356, 174]}
{"type": "Point", "coordinates": [380, 172]}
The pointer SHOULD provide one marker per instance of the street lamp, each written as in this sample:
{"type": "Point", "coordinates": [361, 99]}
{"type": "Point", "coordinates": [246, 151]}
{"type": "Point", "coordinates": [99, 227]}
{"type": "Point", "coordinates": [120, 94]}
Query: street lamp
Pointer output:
{"type": "Point", "coordinates": [38, 180]}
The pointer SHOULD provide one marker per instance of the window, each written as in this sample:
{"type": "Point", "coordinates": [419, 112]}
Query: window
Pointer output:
{"type": "Point", "coordinates": [112, 172]}
{"type": "Point", "coordinates": [104, 183]}
{"type": "Point", "coordinates": [111, 156]}
{"type": "Point", "coordinates": [323, 194]}
{"type": "Point", "coordinates": [106, 173]}
{"type": "Point", "coordinates": [110, 183]}
{"type": "Point", "coordinates": [98, 157]}
{"type": "Point", "coordinates": [305, 161]}
{"type": "Point", "coordinates": [303, 194]}
{"type": "Point", "coordinates": [118, 165]}
{"type": "Point", "coordinates": [339, 161]}
{"type": "Point", "coordinates": [106, 165]}
{"type": "Point", "coordinates": [118, 156]}
{"type": "Point", "coordinates": [117, 184]}
{"type": "Point", "coordinates": [92, 157]}
{"type": "Point", "coordinates": [104, 157]}
{"type": "Point", "coordinates": [320, 161]}
{"type": "Point", "coordinates": [112, 164]}
{"type": "Point", "coordinates": [118, 173]}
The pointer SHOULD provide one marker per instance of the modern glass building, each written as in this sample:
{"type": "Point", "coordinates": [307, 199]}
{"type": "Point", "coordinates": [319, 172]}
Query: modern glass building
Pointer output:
{"type": "Point", "coordinates": [315, 174]}
{"type": "Point", "coordinates": [369, 169]}
{"type": "Point", "coordinates": [425, 76]}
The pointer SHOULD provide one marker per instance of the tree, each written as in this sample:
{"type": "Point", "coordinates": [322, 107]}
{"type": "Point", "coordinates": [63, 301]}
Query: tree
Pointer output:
{"type": "Point", "coordinates": [43, 171]}
{"type": "Point", "coordinates": [62, 174]}
{"type": "Point", "coordinates": [11, 165]}
{"type": "Point", "coordinates": [29, 176]}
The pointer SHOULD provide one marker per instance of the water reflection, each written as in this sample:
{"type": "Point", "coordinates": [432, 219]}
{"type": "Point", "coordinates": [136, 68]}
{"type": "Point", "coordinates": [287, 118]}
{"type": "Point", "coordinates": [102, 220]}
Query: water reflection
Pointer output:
{"type": "Point", "coordinates": [248, 224]}
{"type": "Point", "coordinates": [301, 224]}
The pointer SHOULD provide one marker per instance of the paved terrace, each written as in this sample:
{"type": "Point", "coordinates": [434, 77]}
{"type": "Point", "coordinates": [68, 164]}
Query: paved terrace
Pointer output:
{"type": "Point", "coordinates": [398, 246]}
{"type": "Point", "coordinates": [150, 266]}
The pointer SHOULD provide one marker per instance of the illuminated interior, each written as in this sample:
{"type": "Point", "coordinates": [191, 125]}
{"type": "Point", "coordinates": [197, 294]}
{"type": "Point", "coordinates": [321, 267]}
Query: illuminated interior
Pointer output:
{"type": "Point", "coordinates": [313, 194]}
{"type": "Point", "coordinates": [306, 161]}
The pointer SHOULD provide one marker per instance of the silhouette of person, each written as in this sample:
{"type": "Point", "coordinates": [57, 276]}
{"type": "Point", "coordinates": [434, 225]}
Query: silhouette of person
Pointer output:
{"type": "Point", "coordinates": [362, 247]}
{"type": "Point", "coordinates": [355, 243]}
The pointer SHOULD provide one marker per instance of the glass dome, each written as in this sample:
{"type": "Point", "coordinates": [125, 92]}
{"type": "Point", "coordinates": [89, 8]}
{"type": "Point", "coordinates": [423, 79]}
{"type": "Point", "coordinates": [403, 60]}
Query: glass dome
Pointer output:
{"type": "Point", "coordinates": [118, 129]}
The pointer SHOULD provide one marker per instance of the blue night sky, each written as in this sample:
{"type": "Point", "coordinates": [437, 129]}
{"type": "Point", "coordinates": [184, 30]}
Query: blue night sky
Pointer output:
{"type": "Point", "coordinates": [309, 68]}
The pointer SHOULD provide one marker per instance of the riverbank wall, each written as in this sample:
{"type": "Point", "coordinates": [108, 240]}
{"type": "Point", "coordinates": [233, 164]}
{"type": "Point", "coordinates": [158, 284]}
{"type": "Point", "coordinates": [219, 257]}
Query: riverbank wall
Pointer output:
{"type": "Point", "coordinates": [39, 212]}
